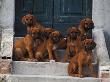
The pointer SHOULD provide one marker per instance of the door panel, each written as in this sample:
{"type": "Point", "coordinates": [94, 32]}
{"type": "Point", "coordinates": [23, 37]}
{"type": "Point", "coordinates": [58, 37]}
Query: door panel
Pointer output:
{"type": "Point", "coordinates": [70, 12]}
{"type": "Point", "coordinates": [42, 9]}
{"type": "Point", "coordinates": [72, 6]}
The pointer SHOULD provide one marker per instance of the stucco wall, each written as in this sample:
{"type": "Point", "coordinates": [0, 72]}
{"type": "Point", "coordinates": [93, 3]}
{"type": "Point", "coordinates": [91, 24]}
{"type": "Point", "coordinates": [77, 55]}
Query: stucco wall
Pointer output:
{"type": "Point", "coordinates": [7, 24]}
{"type": "Point", "coordinates": [7, 14]}
{"type": "Point", "coordinates": [101, 18]}
{"type": "Point", "coordinates": [107, 23]}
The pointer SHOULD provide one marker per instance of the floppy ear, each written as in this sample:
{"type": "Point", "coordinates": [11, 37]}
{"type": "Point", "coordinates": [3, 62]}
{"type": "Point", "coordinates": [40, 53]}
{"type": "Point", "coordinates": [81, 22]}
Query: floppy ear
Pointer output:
{"type": "Point", "coordinates": [51, 35]}
{"type": "Point", "coordinates": [79, 32]}
{"type": "Point", "coordinates": [82, 23]}
{"type": "Point", "coordinates": [93, 44]}
{"type": "Point", "coordinates": [83, 42]}
{"type": "Point", "coordinates": [68, 31]}
{"type": "Point", "coordinates": [83, 37]}
{"type": "Point", "coordinates": [43, 34]}
{"type": "Point", "coordinates": [61, 36]}
{"type": "Point", "coordinates": [23, 19]}
{"type": "Point", "coordinates": [34, 19]}
{"type": "Point", "coordinates": [91, 25]}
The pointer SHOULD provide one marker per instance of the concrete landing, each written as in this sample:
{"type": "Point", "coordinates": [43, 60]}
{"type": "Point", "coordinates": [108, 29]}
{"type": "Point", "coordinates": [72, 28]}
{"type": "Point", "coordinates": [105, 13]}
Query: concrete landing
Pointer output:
{"type": "Point", "coordinates": [48, 78]}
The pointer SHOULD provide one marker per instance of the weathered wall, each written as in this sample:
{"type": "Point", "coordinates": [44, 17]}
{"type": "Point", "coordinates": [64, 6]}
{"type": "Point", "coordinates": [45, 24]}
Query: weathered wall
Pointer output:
{"type": "Point", "coordinates": [101, 17]}
{"type": "Point", "coordinates": [7, 14]}
{"type": "Point", "coordinates": [107, 23]}
{"type": "Point", "coordinates": [7, 25]}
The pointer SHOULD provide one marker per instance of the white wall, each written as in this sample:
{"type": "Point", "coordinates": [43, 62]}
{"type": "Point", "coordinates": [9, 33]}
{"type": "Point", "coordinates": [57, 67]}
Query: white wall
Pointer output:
{"type": "Point", "coordinates": [101, 18]}
{"type": "Point", "coordinates": [7, 16]}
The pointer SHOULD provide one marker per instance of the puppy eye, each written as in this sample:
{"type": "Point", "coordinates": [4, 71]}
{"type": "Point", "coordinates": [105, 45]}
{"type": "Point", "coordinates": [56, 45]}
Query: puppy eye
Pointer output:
{"type": "Point", "coordinates": [86, 23]}
{"type": "Point", "coordinates": [33, 33]}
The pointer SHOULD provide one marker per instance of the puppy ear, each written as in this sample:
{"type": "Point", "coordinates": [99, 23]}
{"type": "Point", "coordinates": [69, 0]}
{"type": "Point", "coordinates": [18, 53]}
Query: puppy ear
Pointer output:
{"type": "Point", "coordinates": [34, 19]}
{"type": "Point", "coordinates": [79, 32]}
{"type": "Point", "coordinates": [94, 44]}
{"type": "Point", "coordinates": [23, 19]}
{"type": "Point", "coordinates": [83, 37]}
{"type": "Point", "coordinates": [68, 31]}
{"type": "Point", "coordinates": [83, 42]}
{"type": "Point", "coordinates": [61, 36]}
{"type": "Point", "coordinates": [51, 35]}
{"type": "Point", "coordinates": [82, 23]}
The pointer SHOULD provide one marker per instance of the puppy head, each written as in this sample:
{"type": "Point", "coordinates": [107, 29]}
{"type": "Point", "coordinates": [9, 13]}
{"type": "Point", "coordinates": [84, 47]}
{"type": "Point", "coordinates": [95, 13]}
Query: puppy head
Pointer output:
{"type": "Point", "coordinates": [55, 36]}
{"type": "Point", "coordinates": [47, 32]}
{"type": "Point", "coordinates": [89, 44]}
{"type": "Point", "coordinates": [87, 24]}
{"type": "Point", "coordinates": [36, 33]}
{"type": "Point", "coordinates": [28, 19]}
{"type": "Point", "coordinates": [73, 33]}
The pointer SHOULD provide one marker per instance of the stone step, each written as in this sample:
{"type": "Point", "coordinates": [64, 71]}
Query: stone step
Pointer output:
{"type": "Point", "coordinates": [40, 68]}
{"type": "Point", "coordinates": [47, 78]}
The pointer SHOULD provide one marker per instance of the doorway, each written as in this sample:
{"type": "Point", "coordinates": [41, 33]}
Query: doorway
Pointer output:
{"type": "Point", "coordinates": [58, 14]}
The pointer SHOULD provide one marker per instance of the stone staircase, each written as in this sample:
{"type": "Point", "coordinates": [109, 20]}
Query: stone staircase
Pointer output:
{"type": "Point", "coordinates": [24, 71]}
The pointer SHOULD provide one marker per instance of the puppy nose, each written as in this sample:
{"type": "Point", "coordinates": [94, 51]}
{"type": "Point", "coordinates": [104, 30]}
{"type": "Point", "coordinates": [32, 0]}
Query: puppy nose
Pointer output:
{"type": "Point", "coordinates": [91, 26]}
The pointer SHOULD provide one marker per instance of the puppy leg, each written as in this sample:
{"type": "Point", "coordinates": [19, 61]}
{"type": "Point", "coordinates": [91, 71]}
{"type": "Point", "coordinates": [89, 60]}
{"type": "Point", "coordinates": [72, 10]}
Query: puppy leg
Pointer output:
{"type": "Point", "coordinates": [18, 55]}
{"type": "Point", "coordinates": [49, 49]}
{"type": "Point", "coordinates": [30, 52]}
{"type": "Point", "coordinates": [93, 74]}
{"type": "Point", "coordinates": [65, 59]}
{"type": "Point", "coordinates": [39, 56]}
{"type": "Point", "coordinates": [80, 68]}
{"type": "Point", "coordinates": [71, 70]}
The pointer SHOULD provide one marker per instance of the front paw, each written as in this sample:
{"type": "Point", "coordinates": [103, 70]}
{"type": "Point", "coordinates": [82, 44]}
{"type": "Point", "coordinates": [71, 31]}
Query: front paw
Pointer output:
{"type": "Point", "coordinates": [79, 75]}
{"type": "Point", "coordinates": [52, 61]}
{"type": "Point", "coordinates": [31, 60]}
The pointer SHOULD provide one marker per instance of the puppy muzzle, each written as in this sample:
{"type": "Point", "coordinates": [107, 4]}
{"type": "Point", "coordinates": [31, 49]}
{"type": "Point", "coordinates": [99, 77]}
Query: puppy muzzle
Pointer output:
{"type": "Point", "coordinates": [89, 47]}
{"type": "Point", "coordinates": [73, 36]}
{"type": "Point", "coordinates": [91, 26]}
{"type": "Point", "coordinates": [29, 23]}
{"type": "Point", "coordinates": [56, 39]}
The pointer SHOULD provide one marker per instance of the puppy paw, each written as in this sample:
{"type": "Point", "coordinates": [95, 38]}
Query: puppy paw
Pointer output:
{"type": "Point", "coordinates": [52, 61]}
{"type": "Point", "coordinates": [30, 60]}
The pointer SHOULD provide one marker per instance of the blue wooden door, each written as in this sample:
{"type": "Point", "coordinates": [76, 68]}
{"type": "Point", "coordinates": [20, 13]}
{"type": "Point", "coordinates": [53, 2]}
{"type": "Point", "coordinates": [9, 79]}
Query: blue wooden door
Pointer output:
{"type": "Point", "coordinates": [58, 14]}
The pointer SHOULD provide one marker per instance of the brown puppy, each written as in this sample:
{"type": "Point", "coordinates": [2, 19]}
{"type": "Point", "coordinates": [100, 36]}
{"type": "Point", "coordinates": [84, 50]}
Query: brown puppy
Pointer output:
{"type": "Point", "coordinates": [83, 57]}
{"type": "Point", "coordinates": [39, 43]}
{"type": "Point", "coordinates": [47, 32]}
{"type": "Point", "coordinates": [86, 25]}
{"type": "Point", "coordinates": [73, 43]}
{"type": "Point", "coordinates": [30, 21]}
{"type": "Point", "coordinates": [55, 41]}
{"type": "Point", "coordinates": [23, 47]}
